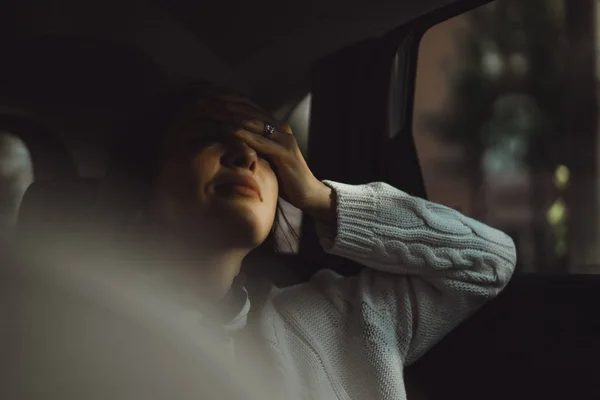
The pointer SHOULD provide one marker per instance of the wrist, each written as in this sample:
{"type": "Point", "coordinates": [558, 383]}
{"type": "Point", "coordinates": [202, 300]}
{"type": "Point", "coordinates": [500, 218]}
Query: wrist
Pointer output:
{"type": "Point", "coordinates": [322, 205]}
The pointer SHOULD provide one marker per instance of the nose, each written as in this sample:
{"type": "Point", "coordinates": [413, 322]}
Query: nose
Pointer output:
{"type": "Point", "coordinates": [240, 155]}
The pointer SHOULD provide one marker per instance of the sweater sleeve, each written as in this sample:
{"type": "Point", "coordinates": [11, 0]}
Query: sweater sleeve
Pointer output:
{"type": "Point", "coordinates": [429, 267]}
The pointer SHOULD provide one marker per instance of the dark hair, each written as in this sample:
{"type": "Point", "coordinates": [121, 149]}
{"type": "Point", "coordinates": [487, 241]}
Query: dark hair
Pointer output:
{"type": "Point", "coordinates": [133, 168]}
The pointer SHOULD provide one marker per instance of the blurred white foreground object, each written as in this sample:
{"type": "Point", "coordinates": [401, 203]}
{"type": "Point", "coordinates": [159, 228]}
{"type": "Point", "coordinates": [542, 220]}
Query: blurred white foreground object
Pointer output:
{"type": "Point", "coordinates": [87, 333]}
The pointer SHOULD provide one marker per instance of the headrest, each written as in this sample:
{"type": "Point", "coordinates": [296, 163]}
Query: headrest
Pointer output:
{"type": "Point", "coordinates": [54, 206]}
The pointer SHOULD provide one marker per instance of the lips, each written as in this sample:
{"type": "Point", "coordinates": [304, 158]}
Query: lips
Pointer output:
{"type": "Point", "coordinates": [241, 184]}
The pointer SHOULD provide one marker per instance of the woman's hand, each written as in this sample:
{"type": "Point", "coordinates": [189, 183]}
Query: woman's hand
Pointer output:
{"type": "Point", "coordinates": [297, 183]}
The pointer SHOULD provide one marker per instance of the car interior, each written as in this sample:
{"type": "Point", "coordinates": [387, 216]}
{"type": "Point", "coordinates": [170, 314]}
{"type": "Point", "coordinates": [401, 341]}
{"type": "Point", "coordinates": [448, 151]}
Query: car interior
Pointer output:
{"type": "Point", "coordinates": [349, 78]}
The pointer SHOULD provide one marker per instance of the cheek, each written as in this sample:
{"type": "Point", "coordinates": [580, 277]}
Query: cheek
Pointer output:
{"type": "Point", "coordinates": [204, 167]}
{"type": "Point", "coordinates": [271, 189]}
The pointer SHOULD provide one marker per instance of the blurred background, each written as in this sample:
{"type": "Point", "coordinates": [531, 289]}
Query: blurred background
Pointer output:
{"type": "Point", "coordinates": [506, 125]}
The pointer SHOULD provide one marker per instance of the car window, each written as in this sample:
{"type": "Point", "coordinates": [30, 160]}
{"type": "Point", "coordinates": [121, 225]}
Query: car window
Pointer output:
{"type": "Point", "coordinates": [505, 125]}
{"type": "Point", "coordinates": [16, 174]}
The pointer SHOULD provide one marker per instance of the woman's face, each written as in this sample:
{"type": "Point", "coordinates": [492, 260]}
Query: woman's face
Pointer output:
{"type": "Point", "coordinates": [214, 186]}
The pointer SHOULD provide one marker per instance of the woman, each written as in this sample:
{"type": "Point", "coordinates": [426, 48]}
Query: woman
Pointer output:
{"type": "Point", "coordinates": [213, 179]}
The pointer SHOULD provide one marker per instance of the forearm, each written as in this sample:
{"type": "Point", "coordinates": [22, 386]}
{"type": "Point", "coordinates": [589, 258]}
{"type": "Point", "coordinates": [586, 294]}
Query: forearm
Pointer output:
{"type": "Point", "coordinates": [388, 230]}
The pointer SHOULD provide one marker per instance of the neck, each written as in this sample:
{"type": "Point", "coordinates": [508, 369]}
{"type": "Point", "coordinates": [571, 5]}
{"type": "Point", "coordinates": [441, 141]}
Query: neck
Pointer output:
{"type": "Point", "coordinates": [211, 266]}
{"type": "Point", "coordinates": [218, 270]}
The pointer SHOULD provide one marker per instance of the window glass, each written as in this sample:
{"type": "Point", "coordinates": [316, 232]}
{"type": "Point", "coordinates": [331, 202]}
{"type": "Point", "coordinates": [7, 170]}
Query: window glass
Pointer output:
{"type": "Point", "coordinates": [506, 125]}
{"type": "Point", "coordinates": [16, 174]}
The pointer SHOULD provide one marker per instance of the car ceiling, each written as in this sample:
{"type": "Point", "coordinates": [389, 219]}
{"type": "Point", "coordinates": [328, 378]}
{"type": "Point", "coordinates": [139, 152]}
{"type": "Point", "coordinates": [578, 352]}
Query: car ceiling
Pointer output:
{"type": "Point", "coordinates": [60, 65]}
{"type": "Point", "coordinates": [271, 40]}
{"type": "Point", "coordinates": [237, 30]}
{"type": "Point", "coordinates": [267, 46]}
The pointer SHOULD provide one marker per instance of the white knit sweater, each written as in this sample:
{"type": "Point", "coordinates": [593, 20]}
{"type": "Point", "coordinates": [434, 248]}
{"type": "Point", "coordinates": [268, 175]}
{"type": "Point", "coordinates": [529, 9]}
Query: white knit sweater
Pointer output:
{"type": "Point", "coordinates": [113, 331]}
{"type": "Point", "coordinates": [428, 268]}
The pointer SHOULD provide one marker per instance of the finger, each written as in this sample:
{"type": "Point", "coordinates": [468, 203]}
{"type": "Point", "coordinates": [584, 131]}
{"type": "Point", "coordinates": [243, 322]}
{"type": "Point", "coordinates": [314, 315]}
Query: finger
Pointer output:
{"type": "Point", "coordinates": [258, 142]}
{"type": "Point", "coordinates": [221, 109]}
{"type": "Point", "coordinates": [252, 113]}
{"type": "Point", "coordinates": [260, 127]}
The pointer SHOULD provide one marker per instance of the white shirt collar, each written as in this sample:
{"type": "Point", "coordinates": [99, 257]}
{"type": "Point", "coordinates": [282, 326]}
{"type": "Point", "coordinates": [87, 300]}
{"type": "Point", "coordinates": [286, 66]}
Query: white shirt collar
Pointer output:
{"type": "Point", "coordinates": [240, 307]}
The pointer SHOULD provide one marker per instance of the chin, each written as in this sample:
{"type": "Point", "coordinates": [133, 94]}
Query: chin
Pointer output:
{"type": "Point", "coordinates": [240, 227]}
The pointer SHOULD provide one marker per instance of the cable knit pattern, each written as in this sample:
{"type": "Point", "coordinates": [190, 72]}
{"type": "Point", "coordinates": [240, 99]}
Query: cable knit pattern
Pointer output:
{"type": "Point", "coordinates": [429, 268]}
